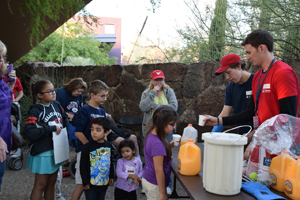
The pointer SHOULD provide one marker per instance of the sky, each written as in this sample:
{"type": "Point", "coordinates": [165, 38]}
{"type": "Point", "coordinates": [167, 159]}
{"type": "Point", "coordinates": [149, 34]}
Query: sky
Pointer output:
{"type": "Point", "coordinates": [160, 25]}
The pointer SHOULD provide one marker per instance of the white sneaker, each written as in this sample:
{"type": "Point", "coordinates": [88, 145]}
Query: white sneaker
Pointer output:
{"type": "Point", "coordinates": [60, 198]}
{"type": "Point", "coordinates": [143, 191]}
{"type": "Point", "coordinates": [169, 191]}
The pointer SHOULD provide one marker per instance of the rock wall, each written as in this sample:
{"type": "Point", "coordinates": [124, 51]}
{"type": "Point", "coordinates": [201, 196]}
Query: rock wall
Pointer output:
{"type": "Point", "coordinates": [197, 88]}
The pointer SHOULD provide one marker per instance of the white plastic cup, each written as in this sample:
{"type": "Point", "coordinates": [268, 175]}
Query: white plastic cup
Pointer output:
{"type": "Point", "coordinates": [176, 139]}
{"type": "Point", "coordinates": [201, 118]}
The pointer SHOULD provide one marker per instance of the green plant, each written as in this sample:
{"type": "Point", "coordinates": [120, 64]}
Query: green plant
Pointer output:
{"type": "Point", "coordinates": [122, 101]}
{"type": "Point", "coordinates": [40, 10]}
{"type": "Point", "coordinates": [25, 103]}
{"type": "Point", "coordinates": [78, 42]}
{"type": "Point", "coordinates": [78, 61]}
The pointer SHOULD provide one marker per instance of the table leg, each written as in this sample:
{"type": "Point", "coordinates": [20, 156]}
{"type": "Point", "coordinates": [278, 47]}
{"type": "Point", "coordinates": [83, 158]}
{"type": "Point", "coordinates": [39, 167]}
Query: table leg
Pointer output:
{"type": "Point", "coordinates": [174, 194]}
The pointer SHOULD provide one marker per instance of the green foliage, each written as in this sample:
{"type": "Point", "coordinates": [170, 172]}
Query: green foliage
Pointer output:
{"type": "Point", "coordinates": [25, 103]}
{"type": "Point", "coordinates": [77, 43]}
{"type": "Point", "coordinates": [217, 31]}
{"type": "Point", "coordinates": [205, 39]}
{"type": "Point", "coordinates": [214, 33]}
{"type": "Point", "coordinates": [78, 61]}
{"type": "Point", "coordinates": [281, 18]}
{"type": "Point", "coordinates": [155, 4]}
{"type": "Point", "coordinates": [41, 10]}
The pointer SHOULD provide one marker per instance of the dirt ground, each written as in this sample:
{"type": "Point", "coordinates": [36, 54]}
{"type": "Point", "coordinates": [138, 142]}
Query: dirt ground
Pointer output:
{"type": "Point", "coordinates": [17, 185]}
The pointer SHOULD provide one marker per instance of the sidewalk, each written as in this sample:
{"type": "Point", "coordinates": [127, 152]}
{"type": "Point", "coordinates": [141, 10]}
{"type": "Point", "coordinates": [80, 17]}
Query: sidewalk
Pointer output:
{"type": "Point", "coordinates": [17, 185]}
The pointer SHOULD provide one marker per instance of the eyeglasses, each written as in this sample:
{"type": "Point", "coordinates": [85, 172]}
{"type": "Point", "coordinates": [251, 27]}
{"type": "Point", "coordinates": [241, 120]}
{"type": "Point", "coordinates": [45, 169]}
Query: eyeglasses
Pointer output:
{"type": "Point", "coordinates": [104, 96]}
{"type": "Point", "coordinates": [4, 57]}
{"type": "Point", "coordinates": [173, 125]}
{"type": "Point", "coordinates": [50, 92]}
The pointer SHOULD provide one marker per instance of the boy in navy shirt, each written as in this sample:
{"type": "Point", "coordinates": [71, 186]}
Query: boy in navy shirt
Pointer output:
{"type": "Point", "coordinates": [98, 94]}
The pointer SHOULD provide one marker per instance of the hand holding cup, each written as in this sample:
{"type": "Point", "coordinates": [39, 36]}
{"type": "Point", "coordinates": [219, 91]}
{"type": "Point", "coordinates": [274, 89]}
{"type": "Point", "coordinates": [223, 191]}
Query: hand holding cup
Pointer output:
{"type": "Point", "coordinates": [176, 139]}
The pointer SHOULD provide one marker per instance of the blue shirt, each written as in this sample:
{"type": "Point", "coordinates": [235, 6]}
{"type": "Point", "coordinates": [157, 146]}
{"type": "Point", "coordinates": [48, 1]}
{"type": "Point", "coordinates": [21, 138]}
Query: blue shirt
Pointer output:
{"type": "Point", "coordinates": [68, 102]}
{"type": "Point", "coordinates": [238, 96]}
{"type": "Point", "coordinates": [84, 121]}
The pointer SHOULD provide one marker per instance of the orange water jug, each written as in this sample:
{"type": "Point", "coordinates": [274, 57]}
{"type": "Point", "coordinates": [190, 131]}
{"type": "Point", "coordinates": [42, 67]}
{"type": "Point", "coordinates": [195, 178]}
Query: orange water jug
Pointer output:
{"type": "Point", "coordinates": [189, 159]}
{"type": "Point", "coordinates": [292, 180]}
{"type": "Point", "coordinates": [277, 170]}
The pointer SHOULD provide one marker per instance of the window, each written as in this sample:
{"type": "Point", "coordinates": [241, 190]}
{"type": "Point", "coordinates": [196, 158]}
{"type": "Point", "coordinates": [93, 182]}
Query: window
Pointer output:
{"type": "Point", "coordinates": [109, 29]}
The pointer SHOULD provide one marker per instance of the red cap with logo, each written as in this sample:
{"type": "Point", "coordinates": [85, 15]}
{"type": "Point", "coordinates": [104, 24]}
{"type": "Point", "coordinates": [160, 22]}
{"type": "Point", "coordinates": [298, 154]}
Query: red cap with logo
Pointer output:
{"type": "Point", "coordinates": [226, 61]}
{"type": "Point", "coordinates": [157, 74]}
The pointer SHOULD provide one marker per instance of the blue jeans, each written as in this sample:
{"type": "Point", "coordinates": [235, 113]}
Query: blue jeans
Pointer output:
{"type": "Point", "coordinates": [96, 192]}
{"type": "Point", "coordinates": [170, 138]}
{"type": "Point", "coordinates": [2, 170]}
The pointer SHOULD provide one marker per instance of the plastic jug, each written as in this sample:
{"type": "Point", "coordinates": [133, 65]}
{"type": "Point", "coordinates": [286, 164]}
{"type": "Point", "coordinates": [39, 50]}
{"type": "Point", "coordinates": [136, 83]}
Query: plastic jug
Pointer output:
{"type": "Point", "coordinates": [277, 170]}
{"type": "Point", "coordinates": [292, 180]}
{"type": "Point", "coordinates": [189, 132]}
{"type": "Point", "coordinates": [189, 159]}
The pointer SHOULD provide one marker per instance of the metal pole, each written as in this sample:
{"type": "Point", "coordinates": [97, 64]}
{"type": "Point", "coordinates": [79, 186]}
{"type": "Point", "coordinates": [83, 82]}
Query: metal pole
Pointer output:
{"type": "Point", "coordinates": [62, 46]}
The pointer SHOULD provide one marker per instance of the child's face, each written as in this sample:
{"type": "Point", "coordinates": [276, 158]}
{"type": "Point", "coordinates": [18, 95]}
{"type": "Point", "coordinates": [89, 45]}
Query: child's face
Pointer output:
{"type": "Point", "coordinates": [127, 153]}
{"type": "Point", "coordinates": [98, 133]}
{"type": "Point", "coordinates": [47, 95]}
{"type": "Point", "coordinates": [170, 127]}
{"type": "Point", "coordinates": [100, 97]}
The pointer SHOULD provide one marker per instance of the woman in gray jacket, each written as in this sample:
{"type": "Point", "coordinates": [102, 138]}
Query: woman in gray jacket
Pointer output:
{"type": "Point", "coordinates": [158, 93]}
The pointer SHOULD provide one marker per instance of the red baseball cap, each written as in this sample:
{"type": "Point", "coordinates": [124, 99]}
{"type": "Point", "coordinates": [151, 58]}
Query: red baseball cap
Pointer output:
{"type": "Point", "coordinates": [226, 61]}
{"type": "Point", "coordinates": [157, 74]}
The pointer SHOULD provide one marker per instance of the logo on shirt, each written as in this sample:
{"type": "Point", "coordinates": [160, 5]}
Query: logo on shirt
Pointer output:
{"type": "Point", "coordinates": [100, 166]}
{"type": "Point", "coordinates": [248, 94]}
{"type": "Point", "coordinates": [266, 88]}
{"type": "Point", "coordinates": [73, 106]}
{"type": "Point", "coordinates": [53, 116]}
{"type": "Point", "coordinates": [130, 170]}
{"type": "Point", "coordinates": [93, 116]}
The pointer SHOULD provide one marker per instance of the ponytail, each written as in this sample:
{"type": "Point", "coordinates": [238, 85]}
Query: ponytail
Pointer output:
{"type": "Point", "coordinates": [37, 87]}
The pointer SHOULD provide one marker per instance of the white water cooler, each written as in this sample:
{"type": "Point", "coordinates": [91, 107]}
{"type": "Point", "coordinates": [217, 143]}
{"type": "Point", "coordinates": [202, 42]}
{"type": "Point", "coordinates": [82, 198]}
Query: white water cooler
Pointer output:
{"type": "Point", "coordinates": [223, 162]}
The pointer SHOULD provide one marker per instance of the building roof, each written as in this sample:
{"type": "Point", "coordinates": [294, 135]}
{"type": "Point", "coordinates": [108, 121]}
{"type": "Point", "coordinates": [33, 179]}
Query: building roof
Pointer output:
{"type": "Point", "coordinates": [14, 26]}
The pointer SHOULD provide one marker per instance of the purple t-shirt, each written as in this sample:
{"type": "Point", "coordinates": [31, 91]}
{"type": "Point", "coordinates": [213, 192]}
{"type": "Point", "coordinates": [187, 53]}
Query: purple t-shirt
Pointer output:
{"type": "Point", "coordinates": [124, 168]}
{"type": "Point", "coordinates": [5, 120]}
{"type": "Point", "coordinates": [154, 147]}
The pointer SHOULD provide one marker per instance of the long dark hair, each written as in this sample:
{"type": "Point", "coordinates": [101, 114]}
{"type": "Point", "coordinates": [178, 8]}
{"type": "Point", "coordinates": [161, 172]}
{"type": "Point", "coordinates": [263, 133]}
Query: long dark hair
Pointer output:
{"type": "Point", "coordinates": [162, 116]}
{"type": "Point", "coordinates": [37, 87]}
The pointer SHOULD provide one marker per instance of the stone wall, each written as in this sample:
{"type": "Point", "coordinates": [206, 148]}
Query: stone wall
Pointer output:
{"type": "Point", "coordinates": [197, 88]}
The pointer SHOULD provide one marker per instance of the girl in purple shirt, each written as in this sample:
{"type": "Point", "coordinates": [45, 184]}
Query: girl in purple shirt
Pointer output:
{"type": "Point", "coordinates": [158, 154]}
{"type": "Point", "coordinates": [129, 172]}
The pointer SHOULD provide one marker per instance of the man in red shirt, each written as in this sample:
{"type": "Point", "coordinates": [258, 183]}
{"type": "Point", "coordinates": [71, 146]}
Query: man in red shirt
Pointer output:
{"type": "Point", "coordinates": [275, 87]}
